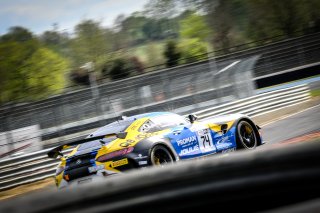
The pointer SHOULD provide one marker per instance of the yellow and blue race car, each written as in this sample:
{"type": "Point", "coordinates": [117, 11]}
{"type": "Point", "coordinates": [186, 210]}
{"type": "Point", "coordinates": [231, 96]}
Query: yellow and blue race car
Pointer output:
{"type": "Point", "coordinates": [151, 139]}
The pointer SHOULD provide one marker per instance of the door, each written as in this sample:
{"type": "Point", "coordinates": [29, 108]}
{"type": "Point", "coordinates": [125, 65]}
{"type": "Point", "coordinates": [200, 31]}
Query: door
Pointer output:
{"type": "Point", "coordinates": [192, 140]}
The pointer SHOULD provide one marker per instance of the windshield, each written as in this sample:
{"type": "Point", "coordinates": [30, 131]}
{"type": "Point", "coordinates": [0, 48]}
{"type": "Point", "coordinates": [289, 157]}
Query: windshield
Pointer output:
{"type": "Point", "coordinates": [114, 127]}
{"type": "Point", "coordinates": [89, 145]}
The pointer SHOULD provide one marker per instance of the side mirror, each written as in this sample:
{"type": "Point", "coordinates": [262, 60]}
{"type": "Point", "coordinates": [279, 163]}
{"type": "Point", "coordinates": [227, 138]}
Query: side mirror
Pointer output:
{"type": "Point", "coordinates": [192, 118]}
{"type": "Point", "coordinates": [224, 128]}
{"type": "Point", "coordinates": [55, 154]}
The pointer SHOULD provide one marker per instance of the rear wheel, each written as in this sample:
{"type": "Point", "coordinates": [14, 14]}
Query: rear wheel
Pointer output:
{"type": "Point", "coordinates": [246, 136]}
{"type": "Point", "coordinates": [160, 155]}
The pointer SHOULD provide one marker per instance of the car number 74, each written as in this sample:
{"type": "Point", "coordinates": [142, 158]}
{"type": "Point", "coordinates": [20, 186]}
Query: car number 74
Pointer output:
{"type": "Point", "coordinates": [205, 140]}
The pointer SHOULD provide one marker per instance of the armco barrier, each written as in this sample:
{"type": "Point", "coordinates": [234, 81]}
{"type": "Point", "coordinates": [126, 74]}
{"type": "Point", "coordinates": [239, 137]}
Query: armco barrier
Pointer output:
{"type": "Point", "coordinates": [260, 104]}
{"type": "Point", "coordinates": [36, 166]}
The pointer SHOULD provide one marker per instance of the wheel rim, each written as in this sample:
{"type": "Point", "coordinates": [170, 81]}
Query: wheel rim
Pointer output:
{"type": "Point", "coordinates": [247, 135]}
{"type": "Point", "coordinates": [161, 156]}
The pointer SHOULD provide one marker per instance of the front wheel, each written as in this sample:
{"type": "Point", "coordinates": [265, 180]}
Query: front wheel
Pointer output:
{"type": "Point", "coordinates": [160, 155]}
{"type": "Point", "coordinates": [246, 136]}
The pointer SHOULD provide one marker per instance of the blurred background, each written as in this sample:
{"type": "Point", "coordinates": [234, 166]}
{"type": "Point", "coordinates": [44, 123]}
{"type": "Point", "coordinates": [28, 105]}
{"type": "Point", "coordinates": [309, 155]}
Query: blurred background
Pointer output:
{"type": "Point", "coordinates": [175, 55]}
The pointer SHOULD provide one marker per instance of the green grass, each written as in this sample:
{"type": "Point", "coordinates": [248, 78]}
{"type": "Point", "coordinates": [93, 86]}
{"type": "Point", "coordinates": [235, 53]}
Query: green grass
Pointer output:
{"type": "Point", "coordinates": [150, 54]}
{"type": "Point", "coordinates": [315, 92]}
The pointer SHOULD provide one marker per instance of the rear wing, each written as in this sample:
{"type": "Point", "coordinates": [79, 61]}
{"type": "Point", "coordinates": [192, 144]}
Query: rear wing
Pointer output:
{"type": "Point", "coordinates": [55, 152]}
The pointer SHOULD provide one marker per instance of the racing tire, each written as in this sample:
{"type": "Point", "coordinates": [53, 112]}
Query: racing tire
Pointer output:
{"type": "Point", "coordinates": [246, 136]}
{"type": "Point", "coordinates": [160, 155]}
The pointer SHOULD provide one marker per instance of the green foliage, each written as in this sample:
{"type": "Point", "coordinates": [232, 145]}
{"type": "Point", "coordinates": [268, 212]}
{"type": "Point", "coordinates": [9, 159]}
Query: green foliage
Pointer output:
{"type": "Point", "coordinates": [172, 54]}
{"type": "Point", "coordinates": [18, 34]}
{"type": "Point", "coordinates": [150, 54]}
{"type": "Point", "coordinates": [235, 22]}
{"type": "Point", "coordinates": [194, 26]}
{"type": "Point", "coordinates": [14, 52]}
{"type": "Point", "coordinates": [193, 50]}
{"type": "Point", "coordinates": [270, 18]}
{"type": "Point", "coordinates": [29, 72]}
{"type": "Point", "coordinates": [315, 92]}
{"type": "Point", "coordinates": [132, 29]}
{"type": "Point", "coordinates": [90, 43]}
{"type": "Point", "coordinates": [159, 9]}
{"type": "Point", "coordinates": [56, 41]}
{"type": "Point", "coordinates": [44, 73]}
{"type": "Point", "coordinates": [154, 53]}
{"type": "Point", "coordinates": [80, 77]}
{"type": "Point", "coordinates": [121, 66]}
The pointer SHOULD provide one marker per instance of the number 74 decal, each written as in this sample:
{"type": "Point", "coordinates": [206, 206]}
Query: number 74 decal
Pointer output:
{"type": "Point", "coordinates": [205, 141]}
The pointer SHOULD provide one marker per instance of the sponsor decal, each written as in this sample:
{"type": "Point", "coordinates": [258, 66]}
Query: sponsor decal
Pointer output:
{"type": "Point", "coordinates": [186, 140]}
{"type": "Point", "coordinates": [223, 139]}
{"type": "Point", "coordinates": [146, 135]}
{"type": "Point", "coordinates": [136, 125]}
{"type": "Point", "coordinates": [119, 162]}
{"type": "Point", "coordinates": [94, 169]}
{"type": "Point", "coordinates": [205, 141]}
{"type": "Point", "coordinates": [143, 162]}
{"type": "Point", "coordinates": [224, 145]}
{"type": "Point", "coordinates": [140, 156]}
{"type": "Point", "coordinates": [127, 143]}
{"type": "Point", "coordinates": [189, 150]}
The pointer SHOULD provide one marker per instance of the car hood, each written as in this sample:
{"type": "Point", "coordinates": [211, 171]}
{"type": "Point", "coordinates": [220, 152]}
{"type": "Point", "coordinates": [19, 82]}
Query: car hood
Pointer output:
{"type": "Point", "coordinates": [225, 118]}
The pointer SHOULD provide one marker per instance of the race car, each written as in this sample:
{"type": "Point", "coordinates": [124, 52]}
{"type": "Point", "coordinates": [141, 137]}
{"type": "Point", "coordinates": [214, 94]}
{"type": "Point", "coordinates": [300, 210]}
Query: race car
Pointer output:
{"type": "Point", "coordinates": [151, 139]}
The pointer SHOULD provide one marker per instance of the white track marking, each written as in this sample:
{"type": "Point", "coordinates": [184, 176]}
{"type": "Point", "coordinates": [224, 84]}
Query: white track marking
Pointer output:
{"type": "Point", "coordinates": [287, 116]}
{"type": "Point", "coordinates": [228, 67]}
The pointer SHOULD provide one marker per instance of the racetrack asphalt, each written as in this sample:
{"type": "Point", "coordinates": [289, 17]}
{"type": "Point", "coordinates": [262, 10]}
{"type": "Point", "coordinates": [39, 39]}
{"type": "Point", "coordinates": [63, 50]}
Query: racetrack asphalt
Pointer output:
{"type": "Point", "coordinates": [298, 124]}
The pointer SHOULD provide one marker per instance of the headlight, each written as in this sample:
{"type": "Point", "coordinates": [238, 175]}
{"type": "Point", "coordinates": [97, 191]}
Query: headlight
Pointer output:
{"type": "Point", "coordinates": [59, 170]}
{"type": "Point", "coordinates": [104, 158]}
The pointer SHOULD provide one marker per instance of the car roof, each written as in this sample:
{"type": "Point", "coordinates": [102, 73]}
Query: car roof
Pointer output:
{"type": "Point", "coordinates": [122, 124]}
{"type": "Point", "coordinates": [149, 115]}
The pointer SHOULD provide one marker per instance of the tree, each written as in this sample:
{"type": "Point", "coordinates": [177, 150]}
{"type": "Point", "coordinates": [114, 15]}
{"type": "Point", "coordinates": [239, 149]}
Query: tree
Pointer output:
{"type": "Point", "coordinates": [193, 50]}
{"type": "Point", "coordinates": [271, 18]}
{"type": "Point", "coordinates": [120, 69]}
{"type": "Point", "coordinates": [16, 47]}
{"type": "Point", "coordinates": [119, 66]}
{"type": "Point", "coordinates": [57, 41]}
{"type": "Point", "coordinates": [172, 54]}
{"type": "Point", "coordinates": [154, 54]}
{"type": "Point", "coordinates": [90, 42]}
{"type": "Point", "coordinates": [194, 26]}
{"type": "Point", "coordinates": [80, 77]}
{"type": "Point", "coordinates": [30, 77]}
{"type": "Point", "coordinates": [132, 29]}
{"type": "Point", "coordinates": [160, 9]}
{"type": "Point", "coordinates": [45, 72]}
{"type": "Point", "coordinates": [18, 34]}
{"type": "Point", "coordinates": [163, 12]}
{"type": "Point", "coordinates": [221, 19]}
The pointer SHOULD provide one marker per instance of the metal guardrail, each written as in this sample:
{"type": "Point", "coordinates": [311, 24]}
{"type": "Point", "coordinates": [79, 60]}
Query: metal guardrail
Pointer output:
{"type": "Point", "coordinates": [260, 104]}
{"type": "Point", "coordinates": [36, 166]}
